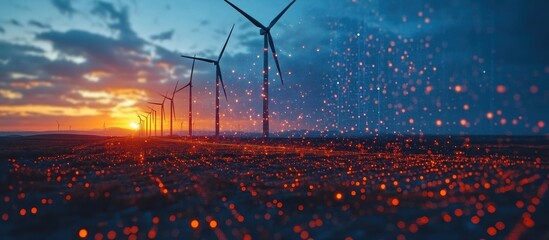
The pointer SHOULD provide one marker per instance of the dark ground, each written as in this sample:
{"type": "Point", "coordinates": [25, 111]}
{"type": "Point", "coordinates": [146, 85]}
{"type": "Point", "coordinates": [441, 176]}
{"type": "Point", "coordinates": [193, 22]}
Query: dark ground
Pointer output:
{"type": "Point", "coordinates": [392, 187]}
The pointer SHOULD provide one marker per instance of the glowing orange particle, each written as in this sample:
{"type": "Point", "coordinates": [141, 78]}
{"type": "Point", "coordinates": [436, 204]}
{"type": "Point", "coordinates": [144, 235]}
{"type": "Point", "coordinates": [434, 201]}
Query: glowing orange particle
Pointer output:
{"type": "Point", "coordinates": [23, 212]}
{"type": "Point", "coordinates": [339, 196]}
{"type": "Point", "coordinates": [491, 209]}
{"type": "Point", "coordinates": [83, 233]}
{"type": "Point", "coordinates": [475, 219]}
{"type": "Point", "coordinates": [111, 234]}
{"type": "Point", "coordinates": [500, 226]}
{"type": "Point", "coordinates": [438, 123]}
{"type": "Point", "coordinates": [491, 231]}
{"type": "Point", "coordinates": [458, 88]}
{"type": "Point", "coordinates": [395, 201]}
{"type": "Point", "coordinates": [458, 212]}
{"type": "Point", "coordinates": [442, 192]}
{"type": "Point", "coordinates": [213, 224]}
{"type": "Point", "coordinates": [156, 220]}
{"type": "Point", "coordinates": [34, 210]}
{"type": "Point", "coordinates": [304, 235]}
{"type": "Point", "coordinates": [151, 234]}
{"type": "Point", "coordinates": [489, 115]}
{"type": "Point", "coordinates": [247, 237]}
{"type": "Point", "coordinates": [541, 124]}
{"type": "Point", "coordinates": [501, 89]}
{"type": "Point", "coordinates": [195, 223]}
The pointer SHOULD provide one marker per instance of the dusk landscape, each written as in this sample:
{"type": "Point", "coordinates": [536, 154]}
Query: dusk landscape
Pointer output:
{"type": "Point", "coordinates": [287, 119]}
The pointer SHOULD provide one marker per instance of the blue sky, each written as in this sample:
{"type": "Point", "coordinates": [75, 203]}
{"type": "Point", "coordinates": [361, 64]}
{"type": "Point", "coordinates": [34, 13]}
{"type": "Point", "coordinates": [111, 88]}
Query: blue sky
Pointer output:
{"type": "Point", "coordinates": [350, 66]}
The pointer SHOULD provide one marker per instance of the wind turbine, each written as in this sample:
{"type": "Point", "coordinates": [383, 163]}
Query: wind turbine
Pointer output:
{"type": "Point", "coordinates": [218, 78]}
{"type": "Point", "coordinates": [190, 85]}
{"type": "Point", "coordinates": [140, 123]}
{"type": "Point", "coordinates": [162, 114]}
{"type": "Point", "coordinates": [146, 116]}
{"type": "Point", "coordinates": [267, 41]}
{"type": "Point", "coordinates": [172, 107]}
{"type": "Point", "coordinates": [154, 115]}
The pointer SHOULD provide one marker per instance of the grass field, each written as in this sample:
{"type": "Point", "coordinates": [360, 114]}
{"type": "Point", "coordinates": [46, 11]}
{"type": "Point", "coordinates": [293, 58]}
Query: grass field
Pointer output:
{"type": "Point", "coordinates": [392, 187]}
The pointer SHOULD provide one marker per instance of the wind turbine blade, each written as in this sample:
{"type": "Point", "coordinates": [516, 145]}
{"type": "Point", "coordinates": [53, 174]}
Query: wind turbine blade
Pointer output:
{"type": "Point", "coordinates": [164, 100]}
{"type": "Point", "coordinates": [200, 59]}
{"type": "Point", "coordinates": [175, 88]}
{"type": "Point", "coordinates": [221, 79]}
{"type": "Point", "coordinates": [275, 20]}
{"type": "Point", "coordinates": [165, 97]}
{"type": "Point", "coordinates": [275, 56]}
{"type": "Point", "coordinates": [224, 46]}
{"type": "Point", "coordinates": [192, 72]}
{"type": "Point", "coordinates": [178, 90]}
{"type": "Point", "coordinates": [173, 109]}
{"type": "Point", "coordinates": [255, 22]}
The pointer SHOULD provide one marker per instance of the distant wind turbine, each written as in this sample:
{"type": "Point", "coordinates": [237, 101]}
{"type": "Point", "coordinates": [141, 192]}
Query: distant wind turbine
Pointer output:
{"type": "Point", "coordinates": [162, 114]}
{"type": "Point", "coordinates": [190, 85]}
{"type": "Point", "coordinates": [154, 118]}
{"type": "Point", "coordinates": [172, 108]}
{"type": "Point", "coordinates": [146, 116]}
{"type": "Point", "coordinates": [218, 78]}
{"type": "Point", "coordinates": [140, 124]}
{"type": "Point", "coordinates": [268, 41]}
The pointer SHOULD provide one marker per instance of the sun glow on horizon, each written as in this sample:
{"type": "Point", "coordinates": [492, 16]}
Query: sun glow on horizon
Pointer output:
{"type": "Point", "coordinates": [134, 126]}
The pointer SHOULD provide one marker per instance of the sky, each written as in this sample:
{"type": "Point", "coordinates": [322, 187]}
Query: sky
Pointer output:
{"type": "Point", "coordinates": [357, 67]}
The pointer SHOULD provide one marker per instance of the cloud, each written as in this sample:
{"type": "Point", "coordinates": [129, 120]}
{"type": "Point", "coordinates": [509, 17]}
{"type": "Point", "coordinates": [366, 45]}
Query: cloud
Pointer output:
{"type": "Point", "coordinates": [163, 36]}
{"type": "Point", "coordinates": [119, 20]}
{"type": "Point", "coordinates": [16, 23]}
{"type": "Point", "coordinates": [2, 30]}
{"type": "Point", "coordinates": [8, 94]}
{"type": "Point", "coordinates": [39, 24]}
{"type": "Point", "coordinates": [47, 110]}
{"type": "Point", "coordinates": [64, 7]}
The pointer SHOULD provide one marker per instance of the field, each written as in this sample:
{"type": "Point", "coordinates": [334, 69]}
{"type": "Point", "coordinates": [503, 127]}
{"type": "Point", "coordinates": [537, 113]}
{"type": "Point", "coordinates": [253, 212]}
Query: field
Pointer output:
{"type": "Point", "coordinates": [391, 187]}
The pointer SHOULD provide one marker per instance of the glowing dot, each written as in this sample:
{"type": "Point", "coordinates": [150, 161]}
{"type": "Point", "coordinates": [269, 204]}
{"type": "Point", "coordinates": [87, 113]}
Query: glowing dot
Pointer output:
{"type": "Point", "coordinates": [213, 224]}
{"type": "Point", "coordinates": [491, 231]}
{"type": "Point", "coordinates": [443, 192]}
{"type": "Point", "coordinates": [339, 196]}
{"type": "Point", "coordinates": [23, 212]}
{"type": "Point", "coordinates": [34, 210]}
{"type": "Point", "coordinates": [83, 233]}
{"type": "Point", "coordinates": [489, 115]}
{"type": "Point", "coordinates": [466, 107]}
{"type": "Point", "coordinates": [395, 201]}
{"type": "Point", "coordinates": [501, 89]}
{"type": "Point", "coordinates": [458, 88]}
{"type": "Point", "coordinates": [439, 123]}
{"type": "Point", "coordinates": [534, 89]}
{"type": "Point", "coordinates": [541, 124]}
{"type": "Point", "coordinates": [463, 122]}
{"type": "Point", "coordinates": [475, 219]}
{"type": "Point", "coordinates": [111, 235]}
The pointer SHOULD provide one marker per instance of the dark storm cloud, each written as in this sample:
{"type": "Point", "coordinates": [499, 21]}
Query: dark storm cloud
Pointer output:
{"type": "Point", "coordinates": [163, 36]}
{"type": "Point", "coordinates": [64, 7]}
{"type": "Point", "coordinates": [39, 24]}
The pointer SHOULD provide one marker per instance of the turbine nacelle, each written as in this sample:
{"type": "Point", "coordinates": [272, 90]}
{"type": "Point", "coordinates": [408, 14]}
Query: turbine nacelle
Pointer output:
{"type": "Point", "coordinates": [263, 31]}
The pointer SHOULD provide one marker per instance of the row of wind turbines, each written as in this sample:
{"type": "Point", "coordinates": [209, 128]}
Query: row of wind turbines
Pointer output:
{"type": "Point", "coordinates": [148, 118]}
